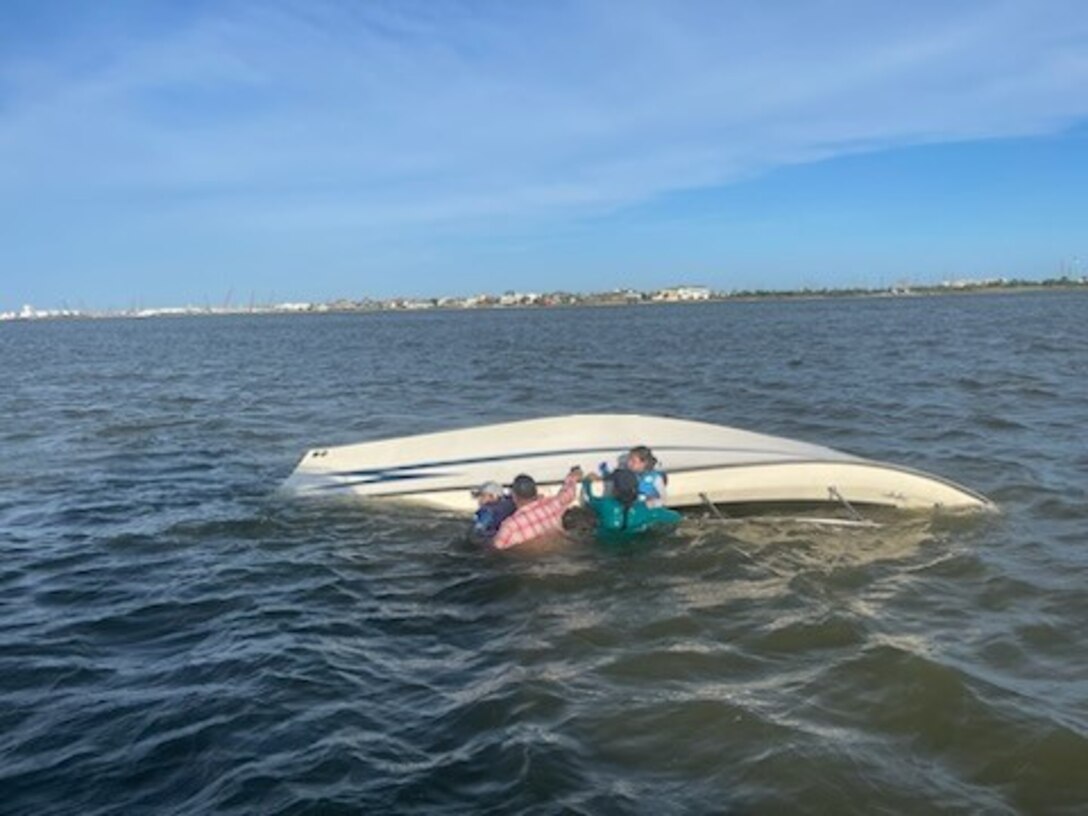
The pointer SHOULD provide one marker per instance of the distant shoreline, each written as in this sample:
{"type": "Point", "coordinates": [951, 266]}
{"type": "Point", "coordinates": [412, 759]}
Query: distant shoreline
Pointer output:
{"type": "Point", "coordinates": [558, 301]}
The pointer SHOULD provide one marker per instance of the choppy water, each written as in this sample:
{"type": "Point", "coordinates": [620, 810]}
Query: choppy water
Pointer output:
{"type": "Point", "coordinates": [176, 639]}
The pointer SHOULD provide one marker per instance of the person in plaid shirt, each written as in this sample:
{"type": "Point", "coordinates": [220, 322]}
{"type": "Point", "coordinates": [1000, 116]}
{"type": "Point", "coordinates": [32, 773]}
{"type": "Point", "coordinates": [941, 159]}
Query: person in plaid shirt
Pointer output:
{"type": "Point", "coordinates": [536, 515]}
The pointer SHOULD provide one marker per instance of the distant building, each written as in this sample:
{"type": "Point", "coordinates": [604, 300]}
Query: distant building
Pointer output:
{"type": "Point", "coordinates": [966, 283]}
{"type": "Point", "coordinates": [518, 298]}
{"type": "Point", "coordinates": [28, 312]}
{"type": "Point", "coordinates": [679, 293]}
{"type": "Point", "coordinates": [616, 296]}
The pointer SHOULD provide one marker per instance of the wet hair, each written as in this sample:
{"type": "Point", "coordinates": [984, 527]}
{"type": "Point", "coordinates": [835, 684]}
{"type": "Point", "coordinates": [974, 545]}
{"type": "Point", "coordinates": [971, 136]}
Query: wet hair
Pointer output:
{"type": "Point", "coordinates": [579, 520]}
{"type": "Point", "coordinates": [624, 486]}
{"type": "Point", "coordinates": [524, 487]}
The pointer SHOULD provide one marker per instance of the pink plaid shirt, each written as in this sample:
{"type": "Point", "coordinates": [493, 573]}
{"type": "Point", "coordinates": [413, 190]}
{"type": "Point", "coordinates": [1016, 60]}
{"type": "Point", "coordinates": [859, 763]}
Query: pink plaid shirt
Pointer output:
{"type": "Point", "coordinates": [539, 518]}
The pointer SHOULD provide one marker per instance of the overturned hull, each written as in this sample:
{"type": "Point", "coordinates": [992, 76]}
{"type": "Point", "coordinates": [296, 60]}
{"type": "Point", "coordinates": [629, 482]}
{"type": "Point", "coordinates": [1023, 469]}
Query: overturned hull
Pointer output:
{"type": "Point", "coordinates": [705, 462]}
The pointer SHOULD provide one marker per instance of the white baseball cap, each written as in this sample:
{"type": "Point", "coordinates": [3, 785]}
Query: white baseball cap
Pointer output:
{"type": "Point", "coordinates": [488, 489]}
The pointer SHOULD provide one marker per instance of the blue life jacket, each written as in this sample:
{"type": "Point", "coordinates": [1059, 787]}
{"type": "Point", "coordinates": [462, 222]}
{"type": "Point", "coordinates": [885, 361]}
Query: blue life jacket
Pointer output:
{"type": "Point", "coordinates": [491, 515]}
{"type": "Point", "coordinates": [647, 483]}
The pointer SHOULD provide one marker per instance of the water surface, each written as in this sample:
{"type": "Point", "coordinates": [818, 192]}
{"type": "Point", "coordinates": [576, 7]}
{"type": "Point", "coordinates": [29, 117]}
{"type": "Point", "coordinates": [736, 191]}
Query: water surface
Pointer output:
{"type": "Point", "coordinates": [176, 638]}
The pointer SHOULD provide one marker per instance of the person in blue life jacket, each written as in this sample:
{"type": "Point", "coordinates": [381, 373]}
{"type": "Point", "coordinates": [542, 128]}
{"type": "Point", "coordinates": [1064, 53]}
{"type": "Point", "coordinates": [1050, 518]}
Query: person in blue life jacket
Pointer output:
{"type": "Point", "coordinates": [652, 481]}
{"type": "Point", "coordinates": [620, 512]}
{"type": "Point", "coordinates": [493, 507]}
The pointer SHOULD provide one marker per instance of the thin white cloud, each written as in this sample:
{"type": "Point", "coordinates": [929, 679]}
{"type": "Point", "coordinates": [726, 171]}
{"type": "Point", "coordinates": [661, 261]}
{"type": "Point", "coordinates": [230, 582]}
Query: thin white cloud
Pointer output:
{"type": "Point", "coordinates": [402, 114]}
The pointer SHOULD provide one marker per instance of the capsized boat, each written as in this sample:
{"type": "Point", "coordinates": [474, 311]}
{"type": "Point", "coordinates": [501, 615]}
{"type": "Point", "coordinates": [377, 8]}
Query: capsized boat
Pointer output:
{"type": "Point", "coordinates": [706, 464]}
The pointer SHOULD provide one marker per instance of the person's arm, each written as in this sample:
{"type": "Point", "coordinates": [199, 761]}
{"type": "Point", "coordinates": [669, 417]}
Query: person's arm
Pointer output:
{"type": "Point", "coordinates": [587, 489]}
{"type": "Point", "coordinates": [665, 516]}
{"type": "Point", "coordinates": [590, 500]}
{"type": "Point", "coordinates": [662, 485]}
{"type": "Point", "coordinates": [570, 486]}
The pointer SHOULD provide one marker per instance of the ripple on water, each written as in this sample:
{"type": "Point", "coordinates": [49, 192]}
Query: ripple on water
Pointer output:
{"type": "Point", "coordinates": [177, 638]}
{"type": "Point", "coordinates": [949, 716]}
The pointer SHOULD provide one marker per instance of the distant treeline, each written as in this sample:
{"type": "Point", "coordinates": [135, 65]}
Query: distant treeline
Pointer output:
{"type": "Point", "coordinates": [911, 289]}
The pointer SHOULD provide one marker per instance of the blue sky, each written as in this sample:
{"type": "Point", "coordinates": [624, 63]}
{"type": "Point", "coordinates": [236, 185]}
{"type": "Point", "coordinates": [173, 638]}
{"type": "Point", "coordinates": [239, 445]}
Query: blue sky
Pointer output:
{"type": "Point", "coordinates": [172, 153]}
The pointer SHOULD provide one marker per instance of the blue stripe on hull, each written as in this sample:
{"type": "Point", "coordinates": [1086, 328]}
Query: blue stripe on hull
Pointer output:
{"type": "Point", "coordinates": [379, 473]}
{"type": "Point", "coordinates": [381, 476]}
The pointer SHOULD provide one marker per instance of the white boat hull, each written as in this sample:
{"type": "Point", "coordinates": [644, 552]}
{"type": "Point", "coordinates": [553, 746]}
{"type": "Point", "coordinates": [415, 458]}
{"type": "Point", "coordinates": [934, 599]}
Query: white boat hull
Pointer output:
{"type": "Point", "coordinates": [726, 465]}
